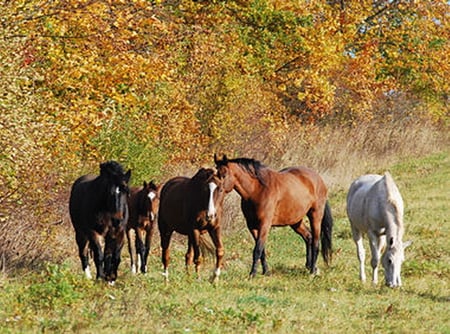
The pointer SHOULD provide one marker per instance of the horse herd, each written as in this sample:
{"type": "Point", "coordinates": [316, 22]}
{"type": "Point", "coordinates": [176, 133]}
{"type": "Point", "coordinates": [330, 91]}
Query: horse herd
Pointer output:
{"type": "Point", "coordinates": [104, 209]}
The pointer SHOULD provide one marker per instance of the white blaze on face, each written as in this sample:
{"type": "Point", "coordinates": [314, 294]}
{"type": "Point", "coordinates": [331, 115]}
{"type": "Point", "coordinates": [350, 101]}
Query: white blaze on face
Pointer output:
{"type": "Point", "coordinates": [151, 195]}
{"type": "Point", "coordinates": [211, 207]}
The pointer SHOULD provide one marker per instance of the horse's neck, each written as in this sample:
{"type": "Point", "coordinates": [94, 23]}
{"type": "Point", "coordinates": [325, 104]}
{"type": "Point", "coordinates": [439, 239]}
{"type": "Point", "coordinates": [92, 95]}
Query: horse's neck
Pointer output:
{"type": "Point", "coordinates": [247, 187]}
{"type": "Point", "coordinates": [394, 228]}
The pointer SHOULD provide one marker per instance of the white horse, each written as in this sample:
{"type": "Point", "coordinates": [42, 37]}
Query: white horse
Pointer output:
{"type": "Point", "coordinates": [375, 207]}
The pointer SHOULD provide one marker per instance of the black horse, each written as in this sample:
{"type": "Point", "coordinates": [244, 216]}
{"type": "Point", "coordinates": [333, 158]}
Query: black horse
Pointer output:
{"type": "Point", "coordinates": [99, 213]}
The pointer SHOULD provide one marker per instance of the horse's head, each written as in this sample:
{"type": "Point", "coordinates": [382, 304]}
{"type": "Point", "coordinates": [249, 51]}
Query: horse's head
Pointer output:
{"type": "Point", "coordinates": [210, 189]}
{"type": "Point", "coordinates": [151, 191]}
{"type": "Point", "coordinates": [224, 173]}
{"type": "Point", "coordinates": [392, 261]}
{"type": "Point", "coordinates": [117, 191]}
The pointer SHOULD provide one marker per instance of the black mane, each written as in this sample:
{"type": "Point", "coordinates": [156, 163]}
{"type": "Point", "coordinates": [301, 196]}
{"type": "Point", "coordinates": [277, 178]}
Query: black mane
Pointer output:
{"type": "Point", "coordinates": [111, 168]}
{"type": "Point", "coordinates": [251, 166]}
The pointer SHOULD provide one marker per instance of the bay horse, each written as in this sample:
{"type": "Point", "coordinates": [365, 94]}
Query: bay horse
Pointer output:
{"type": "Point", "coordinates": [375, 208]}
{"type": "Point", "coordinates": [143, 205]}
{"type": "Point", "coordinates": [99, 212]}
{"type": "Point", "coordinates": [280, 198]}
{"type": "Point", "coordinates": [192, 207]}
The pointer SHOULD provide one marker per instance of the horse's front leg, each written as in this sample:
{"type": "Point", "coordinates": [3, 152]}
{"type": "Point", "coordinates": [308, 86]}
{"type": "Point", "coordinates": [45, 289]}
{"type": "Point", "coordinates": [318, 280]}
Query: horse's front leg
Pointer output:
{"type": "Point", "coordinates": [96, 247]}
{"type": "Point", "coordinates": [83, 252]}
{"type": "Point", "coordinates": [131, 251]}
{"type": "Point", "coordinates": [217, 240]}
{"type": "Point", "coordinates": [376, 245]}
{"type": "Point", "coordinates": [259, 252]}
{"type": "Point", "coordinates": [140, 249]}
{"type": "Point", "coordinates": [113, 249]}
{"type": "Point", "coordinates": [189, 257]}
{"type": "Point", "coordinates": [196, 247]}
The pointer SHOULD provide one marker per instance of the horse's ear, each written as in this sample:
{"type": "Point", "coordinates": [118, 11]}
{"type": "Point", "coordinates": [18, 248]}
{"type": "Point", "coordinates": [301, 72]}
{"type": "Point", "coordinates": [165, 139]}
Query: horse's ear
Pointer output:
{"type": "Point", "coordinates": [127, 176]}
{"type": "Point", "coordinates": [102, 168]}
{"type": "Point", "coordinates": [224, 158]}
{"type": "Point", "coordinates": [215, 159]}
{"type": "Point", "coordinates": [144, 184]}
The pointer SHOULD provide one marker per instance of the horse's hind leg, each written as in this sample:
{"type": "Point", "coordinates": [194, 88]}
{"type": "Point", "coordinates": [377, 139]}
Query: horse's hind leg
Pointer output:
{"type": "Point", "coordinates": [165, 253]}
{"type": "Point", "coordinates": [315, 216]}
{"type": "Point", "coordinates": [83, 252]}
{"type": "Point", "coordinates": [357, 237]}
{"type": "Point", "coordinates": [301, 229]}
{"type": "Point", "coordinates": [148, 241]}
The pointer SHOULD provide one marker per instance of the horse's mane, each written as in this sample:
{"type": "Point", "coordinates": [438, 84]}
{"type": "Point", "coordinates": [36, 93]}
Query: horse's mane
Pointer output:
{"type": "Point", "coordinates": [251, 166]}
{"type": "Point", "coordinates": [394, 198]}
{"type": "Point", "coordinates": [111, 168]}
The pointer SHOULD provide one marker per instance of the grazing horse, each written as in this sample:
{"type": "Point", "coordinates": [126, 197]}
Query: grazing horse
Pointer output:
{"type": "Point", "coordinates": [280, 198]}
{"type": "Point", "coordinates": [375, 208]}
{"type": "Point", "coordinates": [143, 205]}
{"type": "Point", "coordinates": [192, 206]}
{"type": "Point", "coordinates": [99, 212]}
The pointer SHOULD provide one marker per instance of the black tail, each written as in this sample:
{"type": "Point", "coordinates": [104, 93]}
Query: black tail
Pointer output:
{"type": "Point", "coordinates": [207, 248]}
{"type": "Point", "coordinates": [326, 234]}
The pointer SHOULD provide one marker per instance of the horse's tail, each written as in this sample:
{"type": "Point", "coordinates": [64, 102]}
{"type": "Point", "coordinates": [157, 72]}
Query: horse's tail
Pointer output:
{"type": "Point", "coordinates": [207, 248]}
{"type": "Point", "coordinates": [326, 234]}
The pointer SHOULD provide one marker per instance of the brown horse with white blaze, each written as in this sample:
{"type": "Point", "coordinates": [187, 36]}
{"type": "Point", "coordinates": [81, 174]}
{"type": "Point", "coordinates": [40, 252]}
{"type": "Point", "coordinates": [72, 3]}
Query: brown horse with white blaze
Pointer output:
{"type": "Point", "coordinates": [280, 198]}
{"type": "Point", "coordinates": [192, 207]}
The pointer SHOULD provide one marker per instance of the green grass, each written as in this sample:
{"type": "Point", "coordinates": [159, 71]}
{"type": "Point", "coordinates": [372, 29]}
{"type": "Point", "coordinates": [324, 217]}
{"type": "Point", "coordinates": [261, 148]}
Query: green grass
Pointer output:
{"type": "Point", "coordinates": [59, 299]}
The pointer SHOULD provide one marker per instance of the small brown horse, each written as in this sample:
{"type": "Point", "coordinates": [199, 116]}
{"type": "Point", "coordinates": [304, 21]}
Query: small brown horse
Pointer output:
{"type": "Point", "coordinates": [99, 212]}
{"type": "Point", "coordinates": [280, 198]}
{"type": "Point", "coordinates": [192, 206]}
{"type": "Point", "coordinates": [143, 204]}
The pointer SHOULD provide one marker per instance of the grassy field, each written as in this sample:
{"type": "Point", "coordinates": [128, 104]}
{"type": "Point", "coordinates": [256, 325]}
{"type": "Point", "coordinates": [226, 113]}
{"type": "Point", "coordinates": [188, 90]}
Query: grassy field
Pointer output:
{"type": "Point", "coordinates": [59, 299]}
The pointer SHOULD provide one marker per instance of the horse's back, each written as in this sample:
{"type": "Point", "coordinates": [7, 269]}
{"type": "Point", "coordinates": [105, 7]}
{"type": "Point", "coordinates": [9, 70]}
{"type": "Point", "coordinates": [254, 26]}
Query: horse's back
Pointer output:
{"type": "Point", "coordinates": [367, 200]}
{"type": "Point", "coordinates": [80, 198]}
{"type": "Point", "coordinates": [172, 200]}
{"type": "Point", "coordinates": [304, 179]}
{"type": "Point", "coordinates": [294, 191]}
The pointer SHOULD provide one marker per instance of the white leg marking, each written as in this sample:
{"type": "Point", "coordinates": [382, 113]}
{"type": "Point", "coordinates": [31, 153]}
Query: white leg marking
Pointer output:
{"type": "Point", "coordinates": [139, 261]}
{"type": "Point", "coordinates": [211, 207]}
{"type": "Point", "coordinates": [166, 274]}
{"type": "Point", "coordinates": [87, 272]}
